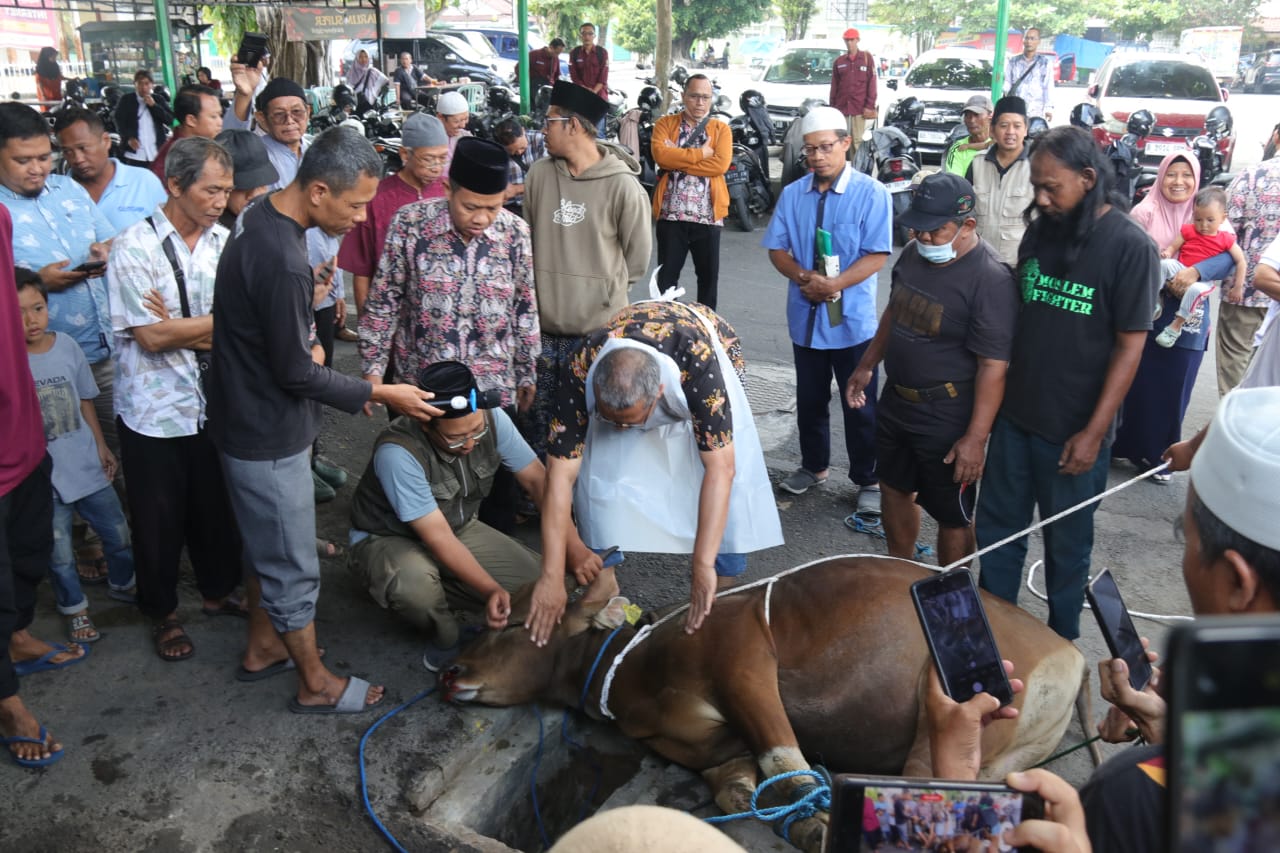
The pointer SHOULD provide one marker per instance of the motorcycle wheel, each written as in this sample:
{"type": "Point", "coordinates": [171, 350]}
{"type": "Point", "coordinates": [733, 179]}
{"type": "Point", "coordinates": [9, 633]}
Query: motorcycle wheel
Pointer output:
{"type": "Point", "coordinates": [742, 211]}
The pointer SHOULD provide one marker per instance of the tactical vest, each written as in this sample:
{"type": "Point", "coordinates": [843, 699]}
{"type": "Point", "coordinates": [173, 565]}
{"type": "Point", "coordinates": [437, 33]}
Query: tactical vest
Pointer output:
{"type": "Point", "coordinates": [1001, 203]}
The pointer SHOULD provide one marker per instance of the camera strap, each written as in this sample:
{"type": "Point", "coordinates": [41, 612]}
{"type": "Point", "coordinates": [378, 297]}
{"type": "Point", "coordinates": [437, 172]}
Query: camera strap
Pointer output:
{"type": "Point", "coordinates": [178, 276]}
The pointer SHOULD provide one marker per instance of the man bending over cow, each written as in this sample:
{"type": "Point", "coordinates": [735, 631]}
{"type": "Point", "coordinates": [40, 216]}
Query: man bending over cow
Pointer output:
{"type": "Point", "coordinates": [653, 426]}
{"type": "Point", "coordinates": [417, 544]}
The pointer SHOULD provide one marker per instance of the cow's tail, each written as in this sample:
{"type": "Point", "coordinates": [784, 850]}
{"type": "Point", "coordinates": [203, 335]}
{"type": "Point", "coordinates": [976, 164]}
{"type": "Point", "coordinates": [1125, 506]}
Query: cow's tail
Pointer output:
{"type": "Point", "coordinates": [1084, 710]}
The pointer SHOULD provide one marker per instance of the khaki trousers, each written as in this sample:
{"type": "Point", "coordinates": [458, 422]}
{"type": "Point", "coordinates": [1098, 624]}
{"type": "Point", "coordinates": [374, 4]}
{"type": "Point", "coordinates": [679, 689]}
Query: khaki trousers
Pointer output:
{"type": "Point", "coordinates": [1237, 324]}
{"type": "Point", "coordinates": [403, 577]}
{"type": "Point", "coordinates": [857, 127]}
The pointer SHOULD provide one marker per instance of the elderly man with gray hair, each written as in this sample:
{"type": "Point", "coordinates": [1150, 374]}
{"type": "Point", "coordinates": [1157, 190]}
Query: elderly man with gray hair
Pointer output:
{"type": "Point", "coordinates": [653, 445]}
{"type": "Point", "coordinates": [264, 391]}
{"type": "Point", "coordinates": [161, 295]}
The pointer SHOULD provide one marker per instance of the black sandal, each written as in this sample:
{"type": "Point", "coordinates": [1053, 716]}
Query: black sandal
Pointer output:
{"type": "Point", "coordinates": [179, 639]}
{"type": "Point", "coordinates": [100, 565]}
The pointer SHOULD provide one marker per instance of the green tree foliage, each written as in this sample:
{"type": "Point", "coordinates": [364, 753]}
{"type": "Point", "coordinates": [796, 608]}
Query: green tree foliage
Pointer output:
{"type": "Point", "coordinates": [636, 27]}
{"type": "Point", "coordinates": [795, 15]}
{"type": "Point", "coordinates": [924, 19]}
{"type": "Point", "coordinates": [229, 24]}
{"type": "Point", "coordinates": [564, 17]}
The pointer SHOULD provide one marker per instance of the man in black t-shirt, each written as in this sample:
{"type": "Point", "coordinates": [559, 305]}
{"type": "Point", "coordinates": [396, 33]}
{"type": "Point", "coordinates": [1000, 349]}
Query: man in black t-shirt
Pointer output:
{"type": "Point", "coordinates": [265, 390]}
{"type": "Point", "coordinates": [945, 339]}
{"type": "Point", "coordinates": [1088, 276]}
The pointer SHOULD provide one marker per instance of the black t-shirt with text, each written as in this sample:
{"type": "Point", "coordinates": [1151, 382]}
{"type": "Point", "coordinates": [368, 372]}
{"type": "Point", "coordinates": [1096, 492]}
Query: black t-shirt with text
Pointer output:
{"type": "Point", "coordinates": [1069, 320]}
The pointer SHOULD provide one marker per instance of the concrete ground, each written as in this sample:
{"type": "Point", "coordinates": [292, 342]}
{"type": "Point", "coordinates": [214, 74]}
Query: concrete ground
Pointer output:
{"type": "Point", "coordinates": [181, 757]}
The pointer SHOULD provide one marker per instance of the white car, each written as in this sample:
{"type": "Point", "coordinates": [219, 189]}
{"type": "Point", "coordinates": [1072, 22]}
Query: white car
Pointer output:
{"type": "Point", "coordinates": [798, 71]}
{"type": "Point", "coordinates": [942, 81]}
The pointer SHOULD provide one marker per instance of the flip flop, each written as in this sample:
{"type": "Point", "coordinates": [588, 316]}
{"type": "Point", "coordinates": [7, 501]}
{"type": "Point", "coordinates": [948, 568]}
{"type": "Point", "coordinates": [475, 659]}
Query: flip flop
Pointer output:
{"type": "Point", "coordinates": [280, 666]}
{"type": "Point", "coordinates": [99, 563]}
{"type": "Point", "coordinates": [181, 638]}
{"type": "Point", "coordinates": [232, 605]}
{"type": "Point", "coordinates": [350, 702]}
{"type": "Point", "coordinates": [54, 755]}
{"type": "Point", "coordinates": [45, 663]}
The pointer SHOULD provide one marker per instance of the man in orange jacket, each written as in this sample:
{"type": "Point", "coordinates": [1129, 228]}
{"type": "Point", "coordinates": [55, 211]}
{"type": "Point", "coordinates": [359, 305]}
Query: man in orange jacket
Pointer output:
{"type": "Point", "coordinates": [693, 151]}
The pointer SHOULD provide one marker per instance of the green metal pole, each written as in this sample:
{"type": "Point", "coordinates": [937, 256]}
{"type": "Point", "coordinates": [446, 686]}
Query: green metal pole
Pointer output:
{"type": "Point", "coordinates": [1002, 39]}
{"type": "Point", "coordinates": [522, 27]}
{"type": "Point", "coordinates": [166, 48]}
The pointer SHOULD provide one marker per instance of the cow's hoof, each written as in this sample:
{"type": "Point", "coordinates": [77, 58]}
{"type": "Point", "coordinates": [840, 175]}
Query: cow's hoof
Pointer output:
{"type": "Point", "coordinates": [806, 833]}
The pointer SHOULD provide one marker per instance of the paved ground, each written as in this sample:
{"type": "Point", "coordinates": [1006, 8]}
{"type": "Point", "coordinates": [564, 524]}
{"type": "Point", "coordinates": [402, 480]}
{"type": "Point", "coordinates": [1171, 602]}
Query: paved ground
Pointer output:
{"type": "Point", "coordinates": [181, 757]}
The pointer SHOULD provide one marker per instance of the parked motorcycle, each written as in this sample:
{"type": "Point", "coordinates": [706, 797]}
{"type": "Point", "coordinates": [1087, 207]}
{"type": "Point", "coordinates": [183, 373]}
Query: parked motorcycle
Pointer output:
{"type": "Point", "coordinates": [794, 164]}
{"type": "Point", "coordinates": [757, 129]}
{"type": "Point", "coordinates": [1217, 126]}
{"type": "Point", "coordinates": [1123, 153]}
{"type": "Point", "coordinates": [889, 157]}
{"type": "Point", "coordinates": [749, 192]}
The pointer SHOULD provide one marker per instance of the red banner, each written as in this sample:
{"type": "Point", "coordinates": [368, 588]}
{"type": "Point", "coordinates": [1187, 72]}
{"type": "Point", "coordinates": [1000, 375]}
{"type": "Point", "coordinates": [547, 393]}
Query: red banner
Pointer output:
{"type": "Point", "coordinates": [27, 29]}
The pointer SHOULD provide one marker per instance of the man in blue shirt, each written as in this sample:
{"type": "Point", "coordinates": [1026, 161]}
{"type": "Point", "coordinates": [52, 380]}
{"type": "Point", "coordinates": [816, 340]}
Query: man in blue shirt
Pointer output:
{"type": "Point", "coordinates": [281, 111]}
{"type": "Point", "coordinates": [831, 301]}
{"type": "Point", "coordinates": [125, 194]}
{"type": "Point", "coordinates": [56, 228]}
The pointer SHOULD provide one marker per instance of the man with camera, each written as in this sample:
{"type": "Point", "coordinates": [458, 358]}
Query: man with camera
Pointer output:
{"type": "Point", "coordinates": [164, 266]}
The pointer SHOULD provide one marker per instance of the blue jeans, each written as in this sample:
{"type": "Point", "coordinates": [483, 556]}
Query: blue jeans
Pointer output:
{"type": "Point", "coordinates": [102, 512]}
{"type": "Point", "coordinates": [1022, 474]}
{"type": "Point", "coordinates": [730, 565]}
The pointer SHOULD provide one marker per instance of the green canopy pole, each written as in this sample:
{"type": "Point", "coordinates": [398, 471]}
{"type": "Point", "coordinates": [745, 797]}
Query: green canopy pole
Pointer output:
{"type": "Point", "coordinates": [1002, 40]}
{"type": "Point", "coordinates": [166, 48]}
{"type": "Point", "coordinates": [522, 27]}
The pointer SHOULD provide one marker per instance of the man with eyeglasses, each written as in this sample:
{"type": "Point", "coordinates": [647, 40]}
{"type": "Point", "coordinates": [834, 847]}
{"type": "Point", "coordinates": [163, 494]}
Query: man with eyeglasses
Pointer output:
{"type": "Point", "coordinates": [691, 200]}
{"type": "Point", "coordinates": [418, 544]}
{"type": "Point", "coordinates": [831, 299]}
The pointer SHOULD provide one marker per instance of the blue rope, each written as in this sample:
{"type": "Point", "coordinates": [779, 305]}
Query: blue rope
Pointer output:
{"type": "Point", "coordinates": [812, 797]}
{"type": "Point", "coordinates": [591, 673]}
{"type": "Point", "coordinates": [533, 783]}
{"type": "Point", "coordinates": [872, 526]}
{"type": "Point", "coordinates": [364, 786]}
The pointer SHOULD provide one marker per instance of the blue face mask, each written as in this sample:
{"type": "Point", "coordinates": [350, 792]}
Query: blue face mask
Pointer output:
{"type": "Point", "coordinates": [938, 253]}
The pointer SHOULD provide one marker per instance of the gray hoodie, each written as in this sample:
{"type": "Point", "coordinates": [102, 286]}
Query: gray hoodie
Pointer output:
{"type": "Point", "coordinates": [591, 239]}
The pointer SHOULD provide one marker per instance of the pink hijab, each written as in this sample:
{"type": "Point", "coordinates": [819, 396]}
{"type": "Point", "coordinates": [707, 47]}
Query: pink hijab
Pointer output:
{"type": "Point", "coordinates": [1161, 218]}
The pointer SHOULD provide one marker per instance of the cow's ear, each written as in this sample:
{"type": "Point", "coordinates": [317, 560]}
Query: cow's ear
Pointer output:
{"type": "Point", "coordinates": [613, 614]}
{"type": "Point", "coordinates": [603, 588]}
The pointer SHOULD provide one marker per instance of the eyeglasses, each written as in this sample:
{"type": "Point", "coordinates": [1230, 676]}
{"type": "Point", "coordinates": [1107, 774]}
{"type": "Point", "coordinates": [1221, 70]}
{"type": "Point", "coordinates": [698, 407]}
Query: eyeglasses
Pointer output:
{"type": "Point", "coordinates": [697, 97]}
{"type": "Point", "coordinates": [430, 161]}
{"type": "Point", "coordinates": [824, 148]}
{"type": "Point", "coordinates": [641, 425]}
{"type": "Point", "coordinates": [284, 116]}
{"type": "Point", "coordinates": [549, 120]}
{"type": "Point", "coordinates": [454, 445]}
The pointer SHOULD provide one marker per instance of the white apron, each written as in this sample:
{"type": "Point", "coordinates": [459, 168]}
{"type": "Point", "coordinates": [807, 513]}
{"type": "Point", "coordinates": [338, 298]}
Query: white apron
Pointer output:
{"type": "Point", "coordinates": [638, 488]}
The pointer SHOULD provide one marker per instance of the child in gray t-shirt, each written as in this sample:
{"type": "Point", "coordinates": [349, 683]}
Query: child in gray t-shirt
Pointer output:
{"type": "Point", "coordinates": [82, 465]}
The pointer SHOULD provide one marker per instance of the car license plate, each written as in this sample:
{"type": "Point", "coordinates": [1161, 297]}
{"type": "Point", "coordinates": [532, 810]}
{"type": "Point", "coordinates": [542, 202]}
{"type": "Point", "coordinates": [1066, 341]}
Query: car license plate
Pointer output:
{"type": "Point", "coordinates": [736, 176]}
{"type": "Point", "coordinates": [898, 186]}
{"type": "Point", "coordinates": [934, 136]}
{"type": "Point", "coordinates": [1160, 149]}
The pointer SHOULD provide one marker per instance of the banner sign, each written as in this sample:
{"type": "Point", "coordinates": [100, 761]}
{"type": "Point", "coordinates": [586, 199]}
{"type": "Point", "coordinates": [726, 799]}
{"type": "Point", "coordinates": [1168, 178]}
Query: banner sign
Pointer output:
{"type": "Point", "coordinates": [400, 20]}
{"type": "Point", "coordinates": [27, 29]}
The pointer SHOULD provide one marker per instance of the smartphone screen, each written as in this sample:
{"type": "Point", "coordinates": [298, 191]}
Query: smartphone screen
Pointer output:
{"type": "Point", "coordinates": [959, 637]}
{"type": "Point", "coordinates": [882, 813]}
{"type": "Point", "coordinates": [1224, 734]}
{"type": "Point", "coordinates": [1117, 628]}
{"type": "Point", "coordinates": [91, 266]}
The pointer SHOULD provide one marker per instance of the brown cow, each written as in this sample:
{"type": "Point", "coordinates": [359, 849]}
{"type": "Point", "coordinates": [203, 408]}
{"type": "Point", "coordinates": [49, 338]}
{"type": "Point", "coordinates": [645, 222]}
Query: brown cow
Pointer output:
{"type": "Point", "coordinates": [828, 664]}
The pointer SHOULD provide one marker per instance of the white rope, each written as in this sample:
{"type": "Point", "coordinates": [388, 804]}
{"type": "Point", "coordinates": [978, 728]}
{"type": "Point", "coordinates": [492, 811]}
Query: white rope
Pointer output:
{"type": "Point", "coordinates": [768, 599]}
{"type": "Point", "coordinates": [1154, 617]}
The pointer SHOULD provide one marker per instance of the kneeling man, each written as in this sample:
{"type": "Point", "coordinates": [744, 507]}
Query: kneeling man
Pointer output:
{"type": "Point", "coordinates": [416, 542]}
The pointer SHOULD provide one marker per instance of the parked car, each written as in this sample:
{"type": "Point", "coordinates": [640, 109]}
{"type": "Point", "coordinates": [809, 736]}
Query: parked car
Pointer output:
{"type": "Point", "coordinates": [797, 72]}
{"type": "Point", "coordinates": [941, 81]}
{"type": "Point", "coordinates": [1178, 90]}
{"type": "Point", "coordinates": [484, 48]}
{"type": "Point", "coordinates": [442, 56]}
{"type": "Point", "coordinates": [507, 44]}
{"type": "Point", "coordinates": [1263, 74]}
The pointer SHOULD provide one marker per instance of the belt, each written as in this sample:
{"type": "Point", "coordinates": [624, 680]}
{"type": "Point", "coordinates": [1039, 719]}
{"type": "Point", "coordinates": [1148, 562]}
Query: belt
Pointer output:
{"type": "Point", "coordinates": [945, 391]}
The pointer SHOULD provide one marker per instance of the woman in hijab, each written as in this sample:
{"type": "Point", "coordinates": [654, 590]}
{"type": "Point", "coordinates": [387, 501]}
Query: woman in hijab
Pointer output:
{"type": "Point", "coordinates": [366, 81]}
{"type": "Point", "coordinates": [48, 76]}
{"type": "Point", "coordinates": [1151, 418]}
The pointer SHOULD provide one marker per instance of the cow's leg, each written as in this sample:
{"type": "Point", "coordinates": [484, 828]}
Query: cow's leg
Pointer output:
{"type": "Point", "coordinates": [733, 783]}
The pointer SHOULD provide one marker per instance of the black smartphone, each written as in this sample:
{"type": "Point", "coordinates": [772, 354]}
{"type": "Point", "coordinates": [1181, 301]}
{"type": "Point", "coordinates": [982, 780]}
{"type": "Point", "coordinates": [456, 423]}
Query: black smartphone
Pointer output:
{"type": "Point", "coordinates": [253, 46]}
{"type": "Point", "coordinates": [1117, 628]}
{"type": "Point", "coordinates": [91, 267]}
{"type": "Point", "coordinates": [923, 814]}
{"type": "Point", "coordinates": [1223, 734]}
{"type": "Point", "coordinates": [959, 636]}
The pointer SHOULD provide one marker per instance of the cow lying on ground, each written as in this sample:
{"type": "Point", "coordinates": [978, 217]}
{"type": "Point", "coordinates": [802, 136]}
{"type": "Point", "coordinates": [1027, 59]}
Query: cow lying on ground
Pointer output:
{"type": "Point", "coordinates": [827, 665]}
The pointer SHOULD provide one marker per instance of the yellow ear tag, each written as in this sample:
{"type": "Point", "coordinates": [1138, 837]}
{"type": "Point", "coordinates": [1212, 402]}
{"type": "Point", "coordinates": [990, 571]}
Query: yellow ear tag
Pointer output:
{"type": "Point", "coordinates": [633, 612]}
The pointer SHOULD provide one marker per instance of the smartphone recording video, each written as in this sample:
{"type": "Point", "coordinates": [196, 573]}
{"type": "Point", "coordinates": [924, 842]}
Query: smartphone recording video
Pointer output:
{"type": "Point", "coordinates": [1117, 628]}
{"type": "Point", "coordinates": [253, 46]}
{"type": "Point", "coordinates": [923, 814]}
{"type": "Point", "coordinates": [959, 637]}
{"type": "Point", "coordinates": [1224, 734]}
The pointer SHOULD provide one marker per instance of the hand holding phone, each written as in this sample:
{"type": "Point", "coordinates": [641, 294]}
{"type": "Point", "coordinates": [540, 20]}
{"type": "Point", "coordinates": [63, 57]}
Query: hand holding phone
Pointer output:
{"type": "Point", "coordinates": [959, 637]}
{"type": "Point", "coordinates": [253, 46]}
{"type": "Point", "coordinates": [91, 267]}
{"type": "Point", "coordinates": [1117, 628]}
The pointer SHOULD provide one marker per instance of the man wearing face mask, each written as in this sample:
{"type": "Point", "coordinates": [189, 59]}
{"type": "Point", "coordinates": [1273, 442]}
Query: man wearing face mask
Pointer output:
{"type": "Point", "coordinates": [945, 339]}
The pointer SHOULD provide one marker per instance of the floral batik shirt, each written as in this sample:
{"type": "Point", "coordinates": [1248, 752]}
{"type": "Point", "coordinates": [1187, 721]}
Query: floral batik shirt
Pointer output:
{"type": "Point", "coordinates": [1253, 208]}
{"type": "Point", "coordinates": [436, 297]}
{"type": "Point", "coordinates": [688, 197]}
{"type": "Point", "coordinates": [671, 328]}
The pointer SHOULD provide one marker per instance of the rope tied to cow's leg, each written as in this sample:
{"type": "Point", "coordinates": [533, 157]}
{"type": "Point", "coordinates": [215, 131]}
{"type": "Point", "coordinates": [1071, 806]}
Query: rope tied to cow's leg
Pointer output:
{"type": "Point", "coordinates": [809, 798]}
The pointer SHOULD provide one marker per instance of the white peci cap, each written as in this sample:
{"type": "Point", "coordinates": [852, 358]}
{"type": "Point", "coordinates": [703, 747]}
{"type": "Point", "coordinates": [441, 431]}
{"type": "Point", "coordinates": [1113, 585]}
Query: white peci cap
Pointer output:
{"type": "Point", "coordinates": [451, 103]}
{"type": "Point", "coordinates": [823, 118]}
{"type": "Point", "coordinates": [1236, 469]}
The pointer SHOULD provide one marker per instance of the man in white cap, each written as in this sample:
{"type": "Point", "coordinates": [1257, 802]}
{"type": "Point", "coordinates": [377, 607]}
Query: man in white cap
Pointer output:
{"type": "Point", "coordinates": [454, 113]}
{"type": "Point", "coordinates": [831, 300]}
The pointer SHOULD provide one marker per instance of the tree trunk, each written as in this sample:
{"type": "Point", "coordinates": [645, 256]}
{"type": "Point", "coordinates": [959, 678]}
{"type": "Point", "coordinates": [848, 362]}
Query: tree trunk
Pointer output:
{"type": "Point", "coordinates": [680, 49]}
{"type": "Point", "coordinates": [662, 53]}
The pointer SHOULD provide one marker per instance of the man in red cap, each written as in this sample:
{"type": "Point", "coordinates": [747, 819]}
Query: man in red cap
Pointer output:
{"type": "Point", "coordinates": [853, 88]}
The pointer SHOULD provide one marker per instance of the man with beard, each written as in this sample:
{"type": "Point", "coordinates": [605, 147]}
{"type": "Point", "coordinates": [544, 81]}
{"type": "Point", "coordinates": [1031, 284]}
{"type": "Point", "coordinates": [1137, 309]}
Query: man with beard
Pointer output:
{"type": "Point", "coordinates": [1088, 275]}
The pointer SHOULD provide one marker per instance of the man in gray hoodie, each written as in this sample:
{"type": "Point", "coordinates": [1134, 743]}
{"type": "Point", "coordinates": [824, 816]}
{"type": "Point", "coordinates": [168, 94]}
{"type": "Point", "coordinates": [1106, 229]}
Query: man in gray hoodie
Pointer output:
{"type": "Point", "coordinates": [589, 219]}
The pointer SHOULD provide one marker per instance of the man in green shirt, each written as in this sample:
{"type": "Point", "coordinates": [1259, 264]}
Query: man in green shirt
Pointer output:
{"type": "Point", "coordinates": [977, 120]}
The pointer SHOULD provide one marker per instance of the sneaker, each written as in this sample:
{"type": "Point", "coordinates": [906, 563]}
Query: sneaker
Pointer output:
{"type": "Point", "coordinates": [345, 334]}
{"type": "Point", "coordinates": [868, 500]}
{"type": "Point", "coordinates": [1168, 336]}
{"type": "Point", "coordinates": [324, 492]}
{"type": "Point", "coordinates": [800, 481]}
{"type": "Point", "coordinates": [330, 473]}
{"type": "Point", "coordinates": [1161, 477]}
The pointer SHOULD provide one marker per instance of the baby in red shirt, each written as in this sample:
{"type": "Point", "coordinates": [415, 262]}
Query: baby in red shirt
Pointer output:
{"type": "Point", "coordinates": [1198, 241]}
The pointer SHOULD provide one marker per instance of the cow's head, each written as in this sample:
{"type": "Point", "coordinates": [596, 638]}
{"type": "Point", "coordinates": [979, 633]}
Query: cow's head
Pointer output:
{"type": "Point", "coordinates": [506, 668]}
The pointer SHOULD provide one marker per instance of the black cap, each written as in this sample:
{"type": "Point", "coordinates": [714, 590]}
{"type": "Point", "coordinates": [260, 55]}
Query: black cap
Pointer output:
{"type": "Point", "coordinates": [455, 389]}
{"type": "Point", "coordinates": [940, 198]}
{"type": "Point", "coordinates": [279, 87]}
{"type": "Point", "coordinates": [479, 165]}
{"type": "Point", "coordinates": [1009, 104]}
{"type": "Point", "coordinates": [580, 100]}
{"type": "Point", "coordinates": [252, 167]}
